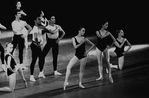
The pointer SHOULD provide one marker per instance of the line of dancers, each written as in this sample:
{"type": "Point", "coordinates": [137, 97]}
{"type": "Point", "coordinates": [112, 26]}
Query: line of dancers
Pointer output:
{"type": "Point", "coordinates": [46, 35]}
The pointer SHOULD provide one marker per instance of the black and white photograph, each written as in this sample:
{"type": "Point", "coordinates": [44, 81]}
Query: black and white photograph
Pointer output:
{"type": "Point", "coordinates": [74, 49]}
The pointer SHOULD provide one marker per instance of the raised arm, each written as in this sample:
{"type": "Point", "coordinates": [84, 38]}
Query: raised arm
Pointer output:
{"type": "Point", "coordinates": [23, 13]}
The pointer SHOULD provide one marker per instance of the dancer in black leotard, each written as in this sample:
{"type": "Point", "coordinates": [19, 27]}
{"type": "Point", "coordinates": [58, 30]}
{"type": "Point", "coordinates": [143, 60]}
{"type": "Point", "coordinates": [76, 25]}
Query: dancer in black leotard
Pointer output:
{"type": "Point", "coordinates": [81, 53]}
{"type": "Point", "coordinates": [12, 68]}
{"type": "Point", "coordinates": [119, 51]}
{"type": "Point", "coordinates": [104, 41]}
{"type": "Point", "coordinates": [2, 51]}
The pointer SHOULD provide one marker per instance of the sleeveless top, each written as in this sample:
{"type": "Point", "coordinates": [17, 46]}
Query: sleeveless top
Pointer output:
{"type": "Point", "coordinates": [119, 51]}
{"type": "Point", "coordinates": [102, 43]}
{"type": "Point", "coordinates": [12, 64]}
{"type": "Point", "coordinates": [80, 51]}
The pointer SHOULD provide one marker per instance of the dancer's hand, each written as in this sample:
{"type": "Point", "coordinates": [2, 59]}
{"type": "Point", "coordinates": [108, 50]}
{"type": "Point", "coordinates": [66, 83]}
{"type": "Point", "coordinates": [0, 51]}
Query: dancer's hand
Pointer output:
{"type": "Point", "coordinates": [58, 40]}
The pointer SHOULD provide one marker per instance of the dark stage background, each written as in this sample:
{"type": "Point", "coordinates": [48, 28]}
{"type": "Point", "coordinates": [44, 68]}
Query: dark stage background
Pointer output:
{"type": "Point", "coordinates": [129, 15]}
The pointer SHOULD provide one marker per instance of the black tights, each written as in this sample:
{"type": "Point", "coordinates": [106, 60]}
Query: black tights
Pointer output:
{"type": "Point", "coordinates": [51, 43]}
{"type": "Point", "coordinates": [36, 53]}
{"type": "Point", "coordinates": [18, 40]}
{"type": "Point", "coordinates": [2, 53]}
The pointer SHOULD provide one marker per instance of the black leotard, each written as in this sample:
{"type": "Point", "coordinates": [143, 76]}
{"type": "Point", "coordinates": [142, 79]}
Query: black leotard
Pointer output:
{"type": "Point", "coordinates": [119, 51]}
{"type": "Point", "coordinates": [80, 51]}
{"type": "Point", "coordinates": [12, 64]}
{"type": "Point", "coordinates": [102, 43]}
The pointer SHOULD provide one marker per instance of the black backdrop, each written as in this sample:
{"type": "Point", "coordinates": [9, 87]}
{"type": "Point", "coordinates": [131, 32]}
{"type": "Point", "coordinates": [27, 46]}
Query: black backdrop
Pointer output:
{"type": "Point", "coordinates": [131, 16]}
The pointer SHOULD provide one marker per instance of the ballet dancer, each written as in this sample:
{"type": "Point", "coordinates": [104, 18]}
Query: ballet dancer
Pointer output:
{"type": "Point", "coordinates": [104, 41]}
{"type": "Point", "coordinates": [18, 9]}
{"type": "Point", "coordinates": [12, 69]}
{"type": "Point", "coordinates": [80, 55]}
{"type": "Point", "coordinates": [2, 51]}
{"type": "Point", "coordinates": [36, 47]}
{"type": "Point", "coordinates": [119, 51]}
{"type": "Point", "coordinates": [40, 24]}
{"type": "Point", "coordinates": [18, 27]}
{"type": "Point", "coordinates": [53, 39]}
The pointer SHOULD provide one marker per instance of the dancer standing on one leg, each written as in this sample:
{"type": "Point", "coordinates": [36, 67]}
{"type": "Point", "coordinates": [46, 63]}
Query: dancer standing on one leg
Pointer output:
{"type": "Point", "coordinates": [103, 44]}
{"type": "Point", "coordinates": [12, 69]}
{"type": "Point", "coordinates": [80, 55]}
{"type": "Point", "coordinates": [18, 27]}
{"type": "Point", "coordinates": [2, 51]}
{"type": "Point", "coordinates": [119, 51]}
{"type": "Point", "coordinates": [52, 42]}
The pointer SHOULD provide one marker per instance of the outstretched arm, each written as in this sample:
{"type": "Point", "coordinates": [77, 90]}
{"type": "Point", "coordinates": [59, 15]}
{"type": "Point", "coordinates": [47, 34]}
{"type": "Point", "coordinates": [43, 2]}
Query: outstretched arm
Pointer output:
{"type": "Point", "coordinates": [2, 27]}
{"type": "Point", "coordinates": [23, 13]}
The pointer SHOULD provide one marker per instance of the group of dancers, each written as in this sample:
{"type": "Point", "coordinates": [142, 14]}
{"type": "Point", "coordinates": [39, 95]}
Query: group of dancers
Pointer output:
{"type": "Point", "coordinates": [46, 35]}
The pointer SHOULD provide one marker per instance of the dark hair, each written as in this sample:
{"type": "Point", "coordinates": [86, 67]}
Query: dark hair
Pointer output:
{"type": "Point", "coordinates": [6, 45]}
{"type": "Point", "coordinates": [17, 2]}
{"type": "Point", "coordinates": [103, 22]}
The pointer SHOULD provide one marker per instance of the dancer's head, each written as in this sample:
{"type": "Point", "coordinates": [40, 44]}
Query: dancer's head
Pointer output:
{"type": "Point", "coordinates": [104, 24]}
{"type": "Point", "coordinates": [120, 32]}
{"type": "Point", "coordinates": [18, 4]}
{"type": "Point", "coordinates": [18, 15]}
{"type": "Point", "coordinates": [9, 47]}
{"type": "Point", "coordinates": [53, 20]}
{"type": "Point", "coordinates": [82, 31]}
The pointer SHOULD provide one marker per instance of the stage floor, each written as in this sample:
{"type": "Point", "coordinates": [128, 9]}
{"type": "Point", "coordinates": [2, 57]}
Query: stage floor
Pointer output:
{"type": "Point", "coordinates": [131, 82]}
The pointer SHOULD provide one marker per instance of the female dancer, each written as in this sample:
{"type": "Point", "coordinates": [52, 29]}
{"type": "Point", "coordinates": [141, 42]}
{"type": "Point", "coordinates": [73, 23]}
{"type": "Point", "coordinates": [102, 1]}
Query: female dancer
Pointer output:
{"type": "Point", "coordinates": [119, 51]}
{"type": "Point", "coordinates": [36, 44]}
{"type": "Point", "coordinates": [18, 8]}
{"type": "Point", "coordinates": [80, 54]}
{"type": "Point", "coordinates": [2, 51]}
{"type": "Point", "coordinates": [104, 39]}
{"type": "Point", "coordinates": [12, 69]}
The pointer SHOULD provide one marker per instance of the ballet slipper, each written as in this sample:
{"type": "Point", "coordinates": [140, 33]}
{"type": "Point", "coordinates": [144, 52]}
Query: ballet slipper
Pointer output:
{"type": "Point", "coordinates": [25, 82]}
{"type": "Point", "coordinates": [111, 79]}
{"type": "Point", "coordinates": [81, 86]}
{"type": "Point", "coordinates": [65, 84]}
{"type": "Point", "coordinates": [100, 78]}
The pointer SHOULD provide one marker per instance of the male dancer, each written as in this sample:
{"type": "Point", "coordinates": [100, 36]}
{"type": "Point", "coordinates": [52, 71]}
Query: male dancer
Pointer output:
{"type": "Point", "coordinates": [52, 42]}
{"type": "Point", "coordinates": [18, 27]}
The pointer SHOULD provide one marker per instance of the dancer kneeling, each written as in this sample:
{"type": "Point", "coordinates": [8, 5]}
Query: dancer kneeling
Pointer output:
{"type": "Point", "coordinates": [80, 54]}
{"type": "Point", "coordinates": [119, 50]}
{"type": "Point", "coordinates": [12, 69]}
